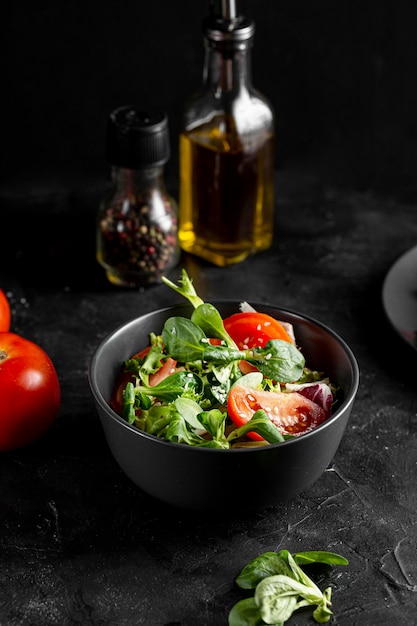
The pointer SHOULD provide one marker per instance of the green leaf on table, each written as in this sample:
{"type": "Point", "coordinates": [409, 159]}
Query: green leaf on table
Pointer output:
{"type": "Point", "coordinates": [278, 597]}
{"type": "Point", "coordinates": [317, 556]}
{"type": "Point", "coordinates": [262, 566]}
{"type": "Point", "coordinates": [246, 613]}
{"type": "Point", "coordinates": [281, 588]}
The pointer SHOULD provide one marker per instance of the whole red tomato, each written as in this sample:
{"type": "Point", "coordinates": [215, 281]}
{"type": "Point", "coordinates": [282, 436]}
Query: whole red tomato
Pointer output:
{"type": "Point", "coordinates": [30, 393]}
{"type": "Point", "coordinates": [5, 315]}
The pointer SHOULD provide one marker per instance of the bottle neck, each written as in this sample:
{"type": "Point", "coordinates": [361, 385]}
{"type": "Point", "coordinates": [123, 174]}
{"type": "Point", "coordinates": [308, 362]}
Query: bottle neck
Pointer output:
{"type": "Point", "coordinates": [145, 179]}
{"type": "Point", "coordinates": [227, 67]}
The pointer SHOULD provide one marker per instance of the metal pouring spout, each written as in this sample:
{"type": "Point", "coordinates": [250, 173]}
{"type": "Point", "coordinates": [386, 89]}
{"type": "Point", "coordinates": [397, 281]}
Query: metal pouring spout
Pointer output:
{"type": "Point", "coordinates": [228, 9]}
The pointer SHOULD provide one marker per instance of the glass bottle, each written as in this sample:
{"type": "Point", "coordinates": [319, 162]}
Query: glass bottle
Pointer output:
{"type": "Point", "coordinates": [226, 191]}
{"type": "Point", "coordinates": [137, 226]}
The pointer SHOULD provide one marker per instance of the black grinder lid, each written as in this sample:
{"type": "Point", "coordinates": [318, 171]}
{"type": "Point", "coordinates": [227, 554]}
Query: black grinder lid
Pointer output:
{"type": "Point", "coordinates": [137, 137]}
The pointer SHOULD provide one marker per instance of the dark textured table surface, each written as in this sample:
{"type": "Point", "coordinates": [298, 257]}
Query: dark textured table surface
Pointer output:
{"type": "Point", "coordinates": [80, 544]}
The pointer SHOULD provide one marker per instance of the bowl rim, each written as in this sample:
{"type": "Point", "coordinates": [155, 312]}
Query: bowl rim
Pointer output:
{"type": "Point", "coordinates": [346, 403]}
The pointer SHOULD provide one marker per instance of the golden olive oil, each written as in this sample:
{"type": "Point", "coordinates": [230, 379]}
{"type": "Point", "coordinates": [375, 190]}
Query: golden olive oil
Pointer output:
{"type": "Point", "coordinates": [226, 203]}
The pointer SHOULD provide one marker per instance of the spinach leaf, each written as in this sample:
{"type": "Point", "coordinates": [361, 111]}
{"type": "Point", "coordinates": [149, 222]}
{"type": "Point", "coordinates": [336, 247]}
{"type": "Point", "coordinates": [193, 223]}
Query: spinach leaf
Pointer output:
{"type": "Point", "coordinates": [260, 424]}
{"type": "Point", "coordinates": [200, 422]}
{"type": "Point", "coordinates": [299, 574]}
{"type": "Point", "coordinates": [214, 422]}
{"type": "Point", "coordinates": [158, 426]}
{"type": "Point", "coordinates": [177, 384]}
{"type": "Point", "coordinates": [142, 401]}
{"type": "Point", "coordinates": [219, 381]}
{"type": "Point", "coordinates": [264, 565]}
{"type": "Point", "coordinates": [155, 420]}
{"type": "Point", "coordinates": [187, 289]}
{"type": "Point", "coordinates": [322, 613]}
{"type": "Point", "coordinates": [184, 340]}
{"type": "Point", "coordinates": [221, 355]}
{"type": "Point", "coordinates": [278, 597]}
{"type": "Point", "coordinates": [128, 406]}
{"type": "Point", "coordinates": [278, 360]}
{"type": "Point", "coordinates": [208, 318]}
{"type": "Point", "coordinates": [253, 380]}
{"type": "Point", "coordinates": [187, 342]}
{"type": "Point", "coordinates": [281, 588]}
{"type": "Point", "coordinates": [246, 613]}
{"type": "Point", "coordinates": [304, 558]}
{"type": "Point", "coordinates": [190, 410]}
{"type": "Point", "coordinates": [179, 432]}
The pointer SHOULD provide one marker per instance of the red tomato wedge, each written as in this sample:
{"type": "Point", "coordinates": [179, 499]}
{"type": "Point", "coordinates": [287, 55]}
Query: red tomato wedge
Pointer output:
{"type": "Point", "coordinates": [250, 330]}
{"type": "Point", "coordinates": [168, 368]}
{"type": "Point", "coordinates": [292, 413]}
{"type": "Point", "coordinates": [116, 400]}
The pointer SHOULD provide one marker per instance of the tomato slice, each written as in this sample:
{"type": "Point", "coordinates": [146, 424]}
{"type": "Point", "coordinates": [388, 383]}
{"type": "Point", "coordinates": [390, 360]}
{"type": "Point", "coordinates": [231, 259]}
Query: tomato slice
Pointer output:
{"type": "Point", "coordinates": [250, 330]}
{"type": "Point", "coordinates": [168, 368]}
{"type": "Point", "coordinates": [292, 413]}
{"type": "Point", "coordinates": [142, 353]}
{"type": "Point", "coordinates": [116, 400]}
{"type": "Point", "coordinates": [214, 341]}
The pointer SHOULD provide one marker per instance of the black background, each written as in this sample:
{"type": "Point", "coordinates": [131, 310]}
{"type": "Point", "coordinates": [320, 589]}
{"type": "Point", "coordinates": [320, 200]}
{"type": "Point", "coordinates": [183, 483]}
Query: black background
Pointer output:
{"type": "Point", "coordinates": [341, 76]}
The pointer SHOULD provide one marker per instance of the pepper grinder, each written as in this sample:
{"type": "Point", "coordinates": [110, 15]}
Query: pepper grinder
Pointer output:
{"type": "Point", "coordinates": [137, 226]}
{"type": "Point", "coordinates": [226, 187]}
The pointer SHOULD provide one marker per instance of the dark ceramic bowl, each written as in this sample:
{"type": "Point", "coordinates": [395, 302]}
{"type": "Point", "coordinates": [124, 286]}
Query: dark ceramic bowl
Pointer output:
{"type": "Point", "coordinates": [204, 478]}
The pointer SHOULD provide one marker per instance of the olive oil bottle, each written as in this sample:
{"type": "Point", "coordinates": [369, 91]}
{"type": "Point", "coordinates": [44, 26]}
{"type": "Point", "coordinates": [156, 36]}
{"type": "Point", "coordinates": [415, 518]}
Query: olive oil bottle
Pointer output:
{"type": "Point", "coordinates": [226, 196]}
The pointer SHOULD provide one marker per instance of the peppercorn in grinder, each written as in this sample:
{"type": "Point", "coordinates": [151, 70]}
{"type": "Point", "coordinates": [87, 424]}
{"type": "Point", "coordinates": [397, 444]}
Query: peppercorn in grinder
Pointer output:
{"type": "Point", "coordinates": [137, 226]}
